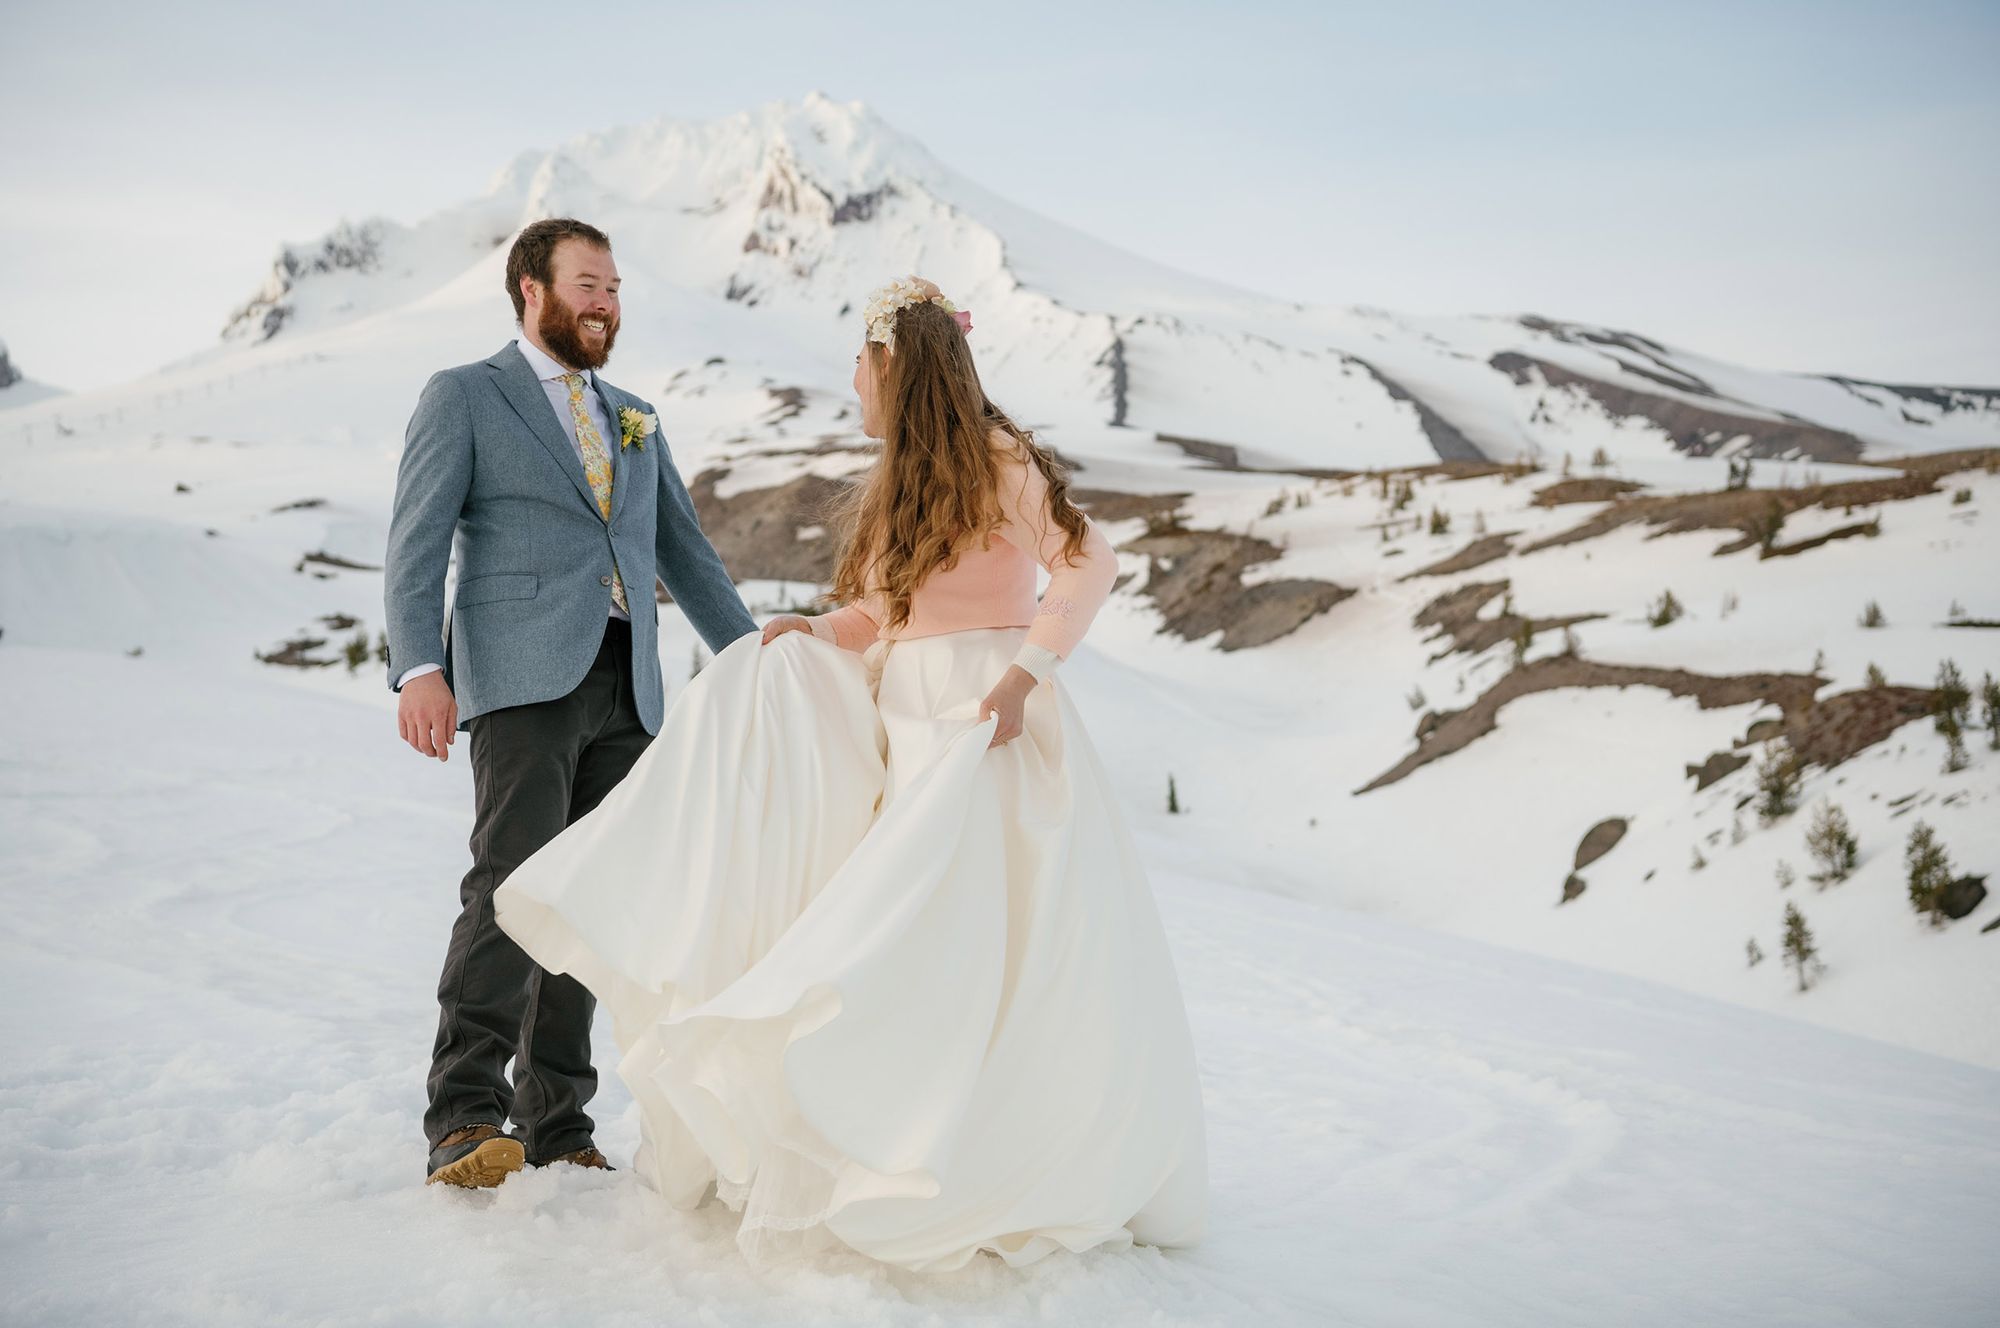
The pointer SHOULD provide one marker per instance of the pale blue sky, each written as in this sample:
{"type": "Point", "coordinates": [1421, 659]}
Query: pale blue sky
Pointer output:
{"type": "Point", "coordinates": [1805, 186]}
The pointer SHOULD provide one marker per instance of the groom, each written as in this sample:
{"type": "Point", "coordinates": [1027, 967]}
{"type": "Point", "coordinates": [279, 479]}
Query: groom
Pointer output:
{"type": "Point", "coordinates": [558, 492]}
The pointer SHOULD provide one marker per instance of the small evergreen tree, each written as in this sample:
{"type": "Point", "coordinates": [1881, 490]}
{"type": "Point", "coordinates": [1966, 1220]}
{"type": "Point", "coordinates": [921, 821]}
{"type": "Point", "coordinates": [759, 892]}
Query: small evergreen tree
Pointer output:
{"type": "Point", "coordinates": [1664, 609]}
{"type": "Point", "coordinates": [1778, 776]}
{"type": "Point", "coordinates": [1699, 861]}
{"type": "Point", "coordinates": [1767, 524]}
{"type": "Point", "coordinates": [1832, 844]}
{"type": "Point", "coordinates": [1784, 874]}
{"type": "Point", "coordinates": [357, 651]}
{"type": "Point", "coordinates": [1955, 758]}
{"type": "Point", "coordinates": [1524, 636]}
{"type": "Point", "coordinates": [1755, 952]}
{"type": "Point", "coordinates": [1173, 798]}
{"type": "Point", "coordinates": [1876, 678]}
{"type": "Point", "coordinates": [1950, 697]}
{"type": "Point", "coordinates": [1872, 615]}
{"type": "Point", "coordinates": [1600, 459]}
{"type": "Point", "coordinates": [382, 648]}
{"type": "Point", "coordinates": [1928, 871]}
{"type": "Point", "coordinates": [1801, 955]}
{"type": "Point", "coordinates": [1989, 702]}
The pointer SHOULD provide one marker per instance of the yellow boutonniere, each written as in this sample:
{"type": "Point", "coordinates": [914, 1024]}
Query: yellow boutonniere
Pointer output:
{"type": "Point", "coordinates": [635, 426]}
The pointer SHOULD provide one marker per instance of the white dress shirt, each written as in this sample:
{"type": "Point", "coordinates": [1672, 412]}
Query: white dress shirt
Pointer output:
{"type": "Point", "coordinates": [551, 375]}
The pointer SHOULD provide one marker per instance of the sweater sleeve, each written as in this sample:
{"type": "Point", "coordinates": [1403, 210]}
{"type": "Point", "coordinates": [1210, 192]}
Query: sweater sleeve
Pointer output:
{"type": "Point", "coordinates": [851, 626]}
{"type": "Point", "coordinates": [1077, 590]}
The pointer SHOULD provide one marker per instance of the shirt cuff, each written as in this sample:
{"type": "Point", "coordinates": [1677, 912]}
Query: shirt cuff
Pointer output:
{"type": "Point", "coordinates": [417, 672]}
{"type": "Point", "coordinates": [1038, 661]}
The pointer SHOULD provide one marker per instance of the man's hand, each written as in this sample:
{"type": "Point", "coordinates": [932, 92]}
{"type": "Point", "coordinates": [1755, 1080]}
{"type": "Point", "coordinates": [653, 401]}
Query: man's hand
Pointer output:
{"type": "Point", "coordinates": [784, 622]}
{"type": "Point", "coordinates": [427, 715]}
{"type": "Point", "coordinates": [1008, 699]}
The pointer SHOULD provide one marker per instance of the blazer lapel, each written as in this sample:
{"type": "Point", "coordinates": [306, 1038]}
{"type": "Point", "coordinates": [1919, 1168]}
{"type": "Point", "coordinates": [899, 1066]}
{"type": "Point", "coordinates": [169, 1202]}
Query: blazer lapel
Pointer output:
{"type": "Point", "coordinates": [524, 393]}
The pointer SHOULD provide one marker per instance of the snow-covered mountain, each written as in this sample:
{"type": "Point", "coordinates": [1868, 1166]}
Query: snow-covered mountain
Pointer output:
{"type": "Point", "coordinates": [796, 211]}
{"type": "Point", "coordinates": [16, 388]}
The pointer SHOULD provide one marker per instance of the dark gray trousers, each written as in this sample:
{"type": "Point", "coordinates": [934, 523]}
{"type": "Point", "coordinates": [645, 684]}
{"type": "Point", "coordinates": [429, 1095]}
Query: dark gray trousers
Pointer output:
{"type": "Point", "coordinates": [535, 769]}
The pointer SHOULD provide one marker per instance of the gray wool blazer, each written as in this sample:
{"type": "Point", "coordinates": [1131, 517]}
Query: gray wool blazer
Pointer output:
{"type": "Point", "coordinates": [488, 471]}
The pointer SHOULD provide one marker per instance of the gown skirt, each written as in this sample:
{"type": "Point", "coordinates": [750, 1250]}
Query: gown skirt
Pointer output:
{"type": "Point", "coordinates": [884, 989]}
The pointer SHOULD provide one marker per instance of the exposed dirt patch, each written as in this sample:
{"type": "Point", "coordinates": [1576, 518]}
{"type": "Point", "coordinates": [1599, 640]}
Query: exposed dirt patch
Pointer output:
{"type": "Point", "coordinates": [1869, 528]}
{"type": "Point", "coordinates": [757, 532]}
{"type": "Point", "coordinates": [1841, 725]}
{"type": "Point", "coordinates": [295, 654]}
{"type": "Point", "coordinates": [1936, 465]}
{"type": "Point", "coordinates": [786, 403]}
{"type": "Point", "coordinates": [1599, 840]}
{"type": "Point", "coordinates": [325, 559]}
{"type": "Point", "coordinates": [1195, 578]}
{"type": "Point", "coordinates": [1717, 766]}
{"type": "Point", "coordinates": [1747, 511]}
{"type": "Point", "coordinates": [1441, 734]}
{"type": "Point", "coordinates": [1584, 489]}
{"type": "Point", "coordinates": [1456, 614]}
{"type": "Point", "coordinates": [1226, 456]}
{"type": "Point", "coordinates": [1481, 551]}
{"type": "Point", "coordinates": [1110, 505]}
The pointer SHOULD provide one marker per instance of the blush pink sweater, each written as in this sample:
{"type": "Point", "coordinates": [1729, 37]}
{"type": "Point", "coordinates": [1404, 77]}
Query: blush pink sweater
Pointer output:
{"type": "Point", "coordinates": [995, 586]}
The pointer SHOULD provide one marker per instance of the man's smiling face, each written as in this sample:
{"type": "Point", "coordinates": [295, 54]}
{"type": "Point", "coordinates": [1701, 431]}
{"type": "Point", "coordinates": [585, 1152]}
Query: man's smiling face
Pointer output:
{"type": "Point", "coordinates": [576, 316]}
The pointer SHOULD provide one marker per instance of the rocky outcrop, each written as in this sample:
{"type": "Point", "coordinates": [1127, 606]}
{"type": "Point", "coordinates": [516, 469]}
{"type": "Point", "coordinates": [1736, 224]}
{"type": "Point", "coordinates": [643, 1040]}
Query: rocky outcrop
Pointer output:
{"type": "Point", "coordinates": [346, 248]}
{"type": "Point", "coordinates": [1749, 512]}
{"type": "Point", "coordinates": [1439, 735]}
{"type": "Point", "coordinates": [1455, 614]}
{"type": "Point", "coordinates": [1443, 436]}
{"type": "Point", "coordinates": [1195, 578]}
{"type": "Point", "coordinates": [1694, 429]}
{"type": "Point", "coordinates": [1599, 840]}
{"type": "Point", "coordinates": [1960, 897]}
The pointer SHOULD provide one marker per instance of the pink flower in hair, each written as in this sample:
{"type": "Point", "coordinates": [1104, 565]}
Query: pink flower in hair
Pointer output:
{"type": "Point", "coordinates": [963, 317]}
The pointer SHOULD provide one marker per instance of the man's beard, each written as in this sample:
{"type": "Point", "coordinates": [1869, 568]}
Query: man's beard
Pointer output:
{"type": "Point", "coordinates": [559, 330]}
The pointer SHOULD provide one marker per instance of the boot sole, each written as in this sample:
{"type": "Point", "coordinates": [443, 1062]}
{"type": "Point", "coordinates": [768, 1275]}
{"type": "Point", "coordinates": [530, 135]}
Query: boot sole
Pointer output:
{"type": "Point", "coordinates": [485, 1166]}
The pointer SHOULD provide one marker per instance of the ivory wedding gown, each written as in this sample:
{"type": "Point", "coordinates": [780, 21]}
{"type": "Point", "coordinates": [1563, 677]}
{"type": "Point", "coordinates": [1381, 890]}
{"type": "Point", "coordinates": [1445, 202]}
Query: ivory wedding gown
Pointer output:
{"type": "Point", "coordinates": [885, 988]}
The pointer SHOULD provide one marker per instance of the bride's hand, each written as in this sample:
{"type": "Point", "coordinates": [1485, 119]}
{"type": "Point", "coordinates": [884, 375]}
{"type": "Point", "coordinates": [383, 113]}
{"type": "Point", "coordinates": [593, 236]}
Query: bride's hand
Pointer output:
{"type": "Point", "coordinates": [1008, 699]}
{"type": "Point", "coordinates": [784, 622]}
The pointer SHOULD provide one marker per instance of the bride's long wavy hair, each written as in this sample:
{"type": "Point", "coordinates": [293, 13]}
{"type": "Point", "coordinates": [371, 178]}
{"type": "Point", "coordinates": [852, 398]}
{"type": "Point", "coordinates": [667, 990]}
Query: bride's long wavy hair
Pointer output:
{"type": "Point", "coordinates": [933, 489]}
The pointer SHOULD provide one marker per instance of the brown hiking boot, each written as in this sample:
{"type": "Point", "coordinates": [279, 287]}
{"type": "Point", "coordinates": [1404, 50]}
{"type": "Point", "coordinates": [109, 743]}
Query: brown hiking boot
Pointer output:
{"type": "Point", "coordinates": [582, 1157]}
{"type": "Point", "coordinates": [475, 1157]}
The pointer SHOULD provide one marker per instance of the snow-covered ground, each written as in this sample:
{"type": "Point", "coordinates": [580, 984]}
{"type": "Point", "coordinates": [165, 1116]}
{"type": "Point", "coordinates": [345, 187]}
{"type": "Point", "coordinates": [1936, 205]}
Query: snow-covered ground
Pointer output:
{"type": "Point", "coordinates": [228, 892]}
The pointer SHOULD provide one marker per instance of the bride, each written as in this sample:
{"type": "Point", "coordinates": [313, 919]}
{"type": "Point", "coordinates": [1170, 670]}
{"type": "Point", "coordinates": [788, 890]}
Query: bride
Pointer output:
{"type": "Point", "coordinates": [882, 963]}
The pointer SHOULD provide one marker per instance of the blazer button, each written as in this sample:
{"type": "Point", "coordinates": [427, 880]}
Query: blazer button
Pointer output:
{"type": "Point", "coordinates": [603, 580]}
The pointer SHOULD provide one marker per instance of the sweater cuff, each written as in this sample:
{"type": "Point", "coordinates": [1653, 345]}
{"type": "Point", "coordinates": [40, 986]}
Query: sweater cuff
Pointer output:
{"type": "Point", "coordinates": [821, 628]}
{"type": "Point", "coordinates": [1038, 661]}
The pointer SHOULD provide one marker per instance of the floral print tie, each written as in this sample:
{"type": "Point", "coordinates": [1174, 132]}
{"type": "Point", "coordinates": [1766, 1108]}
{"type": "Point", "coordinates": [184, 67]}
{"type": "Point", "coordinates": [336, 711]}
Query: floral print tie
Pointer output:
{"type": "Point", "coordinates": [596, 469]}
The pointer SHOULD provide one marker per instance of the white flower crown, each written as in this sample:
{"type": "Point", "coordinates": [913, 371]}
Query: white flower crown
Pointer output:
{"type": "Point", "coordinates": [892, 299]}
